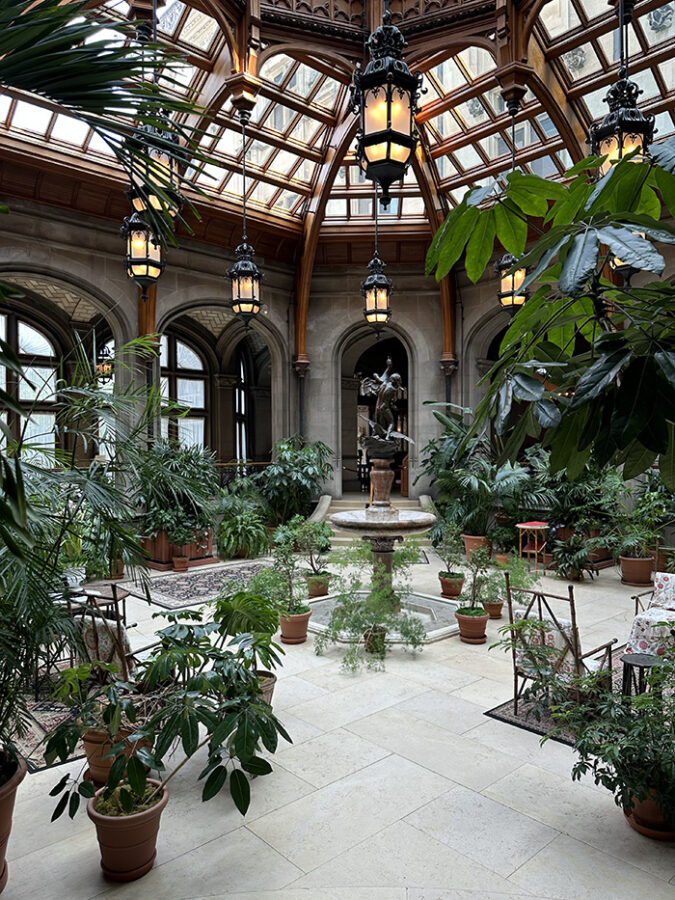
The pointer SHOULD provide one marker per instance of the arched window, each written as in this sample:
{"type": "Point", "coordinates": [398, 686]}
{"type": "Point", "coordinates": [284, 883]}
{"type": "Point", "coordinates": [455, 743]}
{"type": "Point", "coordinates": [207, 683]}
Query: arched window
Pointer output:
{"type": "Point", "coordinates": [35, 393]}
{"type": "Point", "coordinates": [183, 380]}
{"type": "Point", "coordinates": [241, 409]}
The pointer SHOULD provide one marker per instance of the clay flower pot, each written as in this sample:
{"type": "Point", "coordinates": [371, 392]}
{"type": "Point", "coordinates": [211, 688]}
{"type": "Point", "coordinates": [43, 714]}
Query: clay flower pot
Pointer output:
{"type": "Point", "coordinates": [180, 563]}
{"type": "Point", "coordinates": [451, 584]}
{"type": "Point", "coordinates": [317, 585]}
{"type": "Point", "coordinates": [636, 572]}
{"type": "Point", "coordinates": [494, 609]}
{"type": "Point", "coordinates": [128, 844]}
{"type": "Point", "coordinates": [7, 796]}
{"type": "Point", "coordinates": [374, 639]}
{"type": "Point", "coordinates": [502, 559]}
{"type": "Point", "coordinates": [647, 818]}
{"type": "Point", "coordinates": [472, 628]}
{"type": "Point", "coordinates": [97, 744]}
{"type": "Point", "coordinates": [294, 627]}
{"type": "Point", "coordinates": [267, 681]}
{"type": "Point", "coordinates": [475, 542]}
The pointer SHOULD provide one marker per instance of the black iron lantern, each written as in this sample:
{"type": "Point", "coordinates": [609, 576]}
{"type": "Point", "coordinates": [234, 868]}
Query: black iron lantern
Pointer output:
{"type": "Point", "coordinates": [625, 128]}
{"type": "Point", "coordinates": [511, 294]}
{"type": "Point", "coordinates": [386, 95]}
{"type": "Point", "coordinates": [105, 365]}
{"type": "Point", "coordinates": [244, 274]}
{"type": "Point", "coordinates": [161, 147]}
{"type": "Point", "coordinates": [144, 256]}
{"type": "Point", "coordinates": [376, 290]}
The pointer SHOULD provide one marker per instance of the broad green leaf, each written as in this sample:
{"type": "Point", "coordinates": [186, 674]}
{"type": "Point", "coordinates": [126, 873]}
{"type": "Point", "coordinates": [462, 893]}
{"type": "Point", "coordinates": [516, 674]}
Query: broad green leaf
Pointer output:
{"type": "Point", "coordinates": [74, 804]}
{"type": "Point", "coordinates": [531, 204]}
{"type": "Point", "coordinates": [504, 401]}
{"type": "Point", "coordinates": [564, 440]}
{"type": "Point", "coordinates": [665, 182]}
{"type": "Point", "coordinates": [577, 463]}
{"type": "Point", "coordinates": [60, 807]}
{"type": "Point", "coordinates": [627, 186]}
{"type": "Point", "coordinates": [666, 360]}
{"type": "Point", "coordinates": [525, 387]}
{"type": "Point", "coordinates": [454, 240]}
{"type": "Point", "coordinates": [636, 397]}
{"type": "Point", "coordinates": [667, 460]}
{"type": "Point", "coordinates": [599, 376]}
{"type": "Point", "coordinates": [481, 245]}
{"type": "Point", "coordinates": [59, 786]}
{"type": "Point", "coordinates": [543, 187]}
{"type": "Point", "coordinates": [638, 460]}
{"type": "Point", "coordinates": [257, 766]}
{"type": "Point", "coordinates": [190, 733]}
{"type": "Point", "coordinates": [240, 790]}
{"type": "Point", "coordinates": [545, 260]}
{"type": "Point", "coordinates": [565, 210]}
{"type": "Point", "coordinates": [136, 775]}
{"type": "Point", "coordinates": [214, 782]}
{"type": "Point", "coordinates": [632, 249]}
{"type": "Point", "coordinates": [116, 772]}
{"type": "Point", "coordinates": [86, 789]}
{"type": "Point", "coordinates": [476, 195]}
{"type": "Point", "coordinates": [580, 263]}
{"type": "Point", "coordinates": [547, 413]}
{"type": "Point", "coordinates": [511, 228]}
{"type": "Point", "coordinates": [589, 163]}
{"type": "Point", "coordinates": [649, 204]}
{"type": "Point", "coordinates": [663, 153]}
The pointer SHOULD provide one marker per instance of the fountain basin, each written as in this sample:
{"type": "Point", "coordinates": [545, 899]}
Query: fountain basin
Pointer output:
{"type": "Point", "coordinates": [383, 520]}
{"type": "Point", "coordinates": [437, 615]}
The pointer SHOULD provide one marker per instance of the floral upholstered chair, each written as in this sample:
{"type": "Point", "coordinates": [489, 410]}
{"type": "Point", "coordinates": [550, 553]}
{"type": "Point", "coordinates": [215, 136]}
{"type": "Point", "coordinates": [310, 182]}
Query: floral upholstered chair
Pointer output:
{"type": "Point", "coordinates": [543, 643]}
{"type": "Point", "coordinates": [651, 631]}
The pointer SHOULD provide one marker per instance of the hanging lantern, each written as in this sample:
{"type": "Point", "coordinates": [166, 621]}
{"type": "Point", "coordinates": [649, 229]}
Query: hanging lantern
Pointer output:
{"type": "Point", "coordinates": [144, 257]}
{"type": "Point", "coordinates": [511, 294]}
{"type": "Point", "coordinates": [246, 278]}
{"type": "Point", "coordinates": [625, 128]}
{"type": "Point", "coordinates": [376, 290]}
{"type": "Point", "coordinates": [385, 94]}
{"type": "Point", "coordinates": [161, 147]}
{"type": "Point", "coordinates": [104, 365]}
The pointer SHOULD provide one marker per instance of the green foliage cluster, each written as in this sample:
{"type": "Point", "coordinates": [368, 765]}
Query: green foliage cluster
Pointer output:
{"type": "Point", "coordinates": [486, 582]}
{"type": "Point", "coordinates": [313, 540]}
{"type": "Point", "coordinates": [282, 583]}
{"type": "Point", "coordinates": [294, 477]}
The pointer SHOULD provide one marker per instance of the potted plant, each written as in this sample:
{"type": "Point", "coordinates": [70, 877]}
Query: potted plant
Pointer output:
{"type": "Point", "coordinates": [494, 588]}
{"type": "Point", "coordinates": [504, 541]}
{"type": "Point", "coordinates": [449, 548]}
{"type": "Point", "coordinates": [281, 584]}
{"type": "Point", "coordinates": [200, 692]}
{"type": "Point", "coordinates": [632, 544]}
{"type": "Point", "coordinates": [181, 535]}
{"type": "Point", "coordinates": [628, 745]}
{"type": "Point", "coordinates": [313, 540]}
{"type": "Point", "coordinates": [572, 557]}
{"type": "Point", "coordinates": [471, 614]}
{"type": "Point", "coordinates": [242, 533]}
{"type": "Point", "coordinates": [294, 477]}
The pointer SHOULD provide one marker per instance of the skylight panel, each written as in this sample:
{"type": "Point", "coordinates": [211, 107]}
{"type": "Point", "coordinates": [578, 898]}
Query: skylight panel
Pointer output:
{"type": "Point", "coordinates": [336, 208]}
{"type": "Point", "coordinates": [305, 129]}
{"type": "Point", "coordinates": [70, 130]}
{"type": "Point", "coordinates": [211, 176]}
{"type": "Point", "coordinates": [559, 16]}
{"type": "Point", "coordinates": [449, 75]}
{"type": "Point", "coordinates": [5, 103]}
{"type": "Point", "coordinates": [30, 117]}
{"type": "Point", "coordinates": [361, 206]}
{"type": "Point", "coordinates": [283, 162]}
{"type": "Point", "coordinates": [664, 125]}
{"type": "Point", "coordinates": [303, 80]}
{"type": "Point", "coordinates": [595, 8]}
{"type": "Point", "coordinates": [306, 171]}
{"type": "Point", "coordinates": [259, 109]}
{"type": "Point", "coordinates": [258, 153]}
{"type": "Point", "coordinates": [275, 68]}
{"type": "Point", "coordinates": [446, 125]}
{"type": "Point", "coordinates": [263, 192]}
{"type": "Point", "coordinates": [280, 118]}
{"type": "Point", "coordinates": [544, 167]}
{"type": "Point", "coordinates": [446, 167]}
{"type": "Point", "coordinates": [468, 158]}
{"type": "Point", "coordinates": [658, 25]}
{"type": "Point", "coordinates": [199, 30]}
{"type": "Point", "coordinates": [327, 94]}
{"type": "Point", "coordinates": [286, 200]}
{"type": "Point", "coordinates": [472, 112]}
{"type": "Point", "coordinates": [413, 206]}
{"type": "Point", "coordinates": [477, 61]}
{"type": "Point", "coordinates": [581, 62]}
{"type": "Point", "coordinates": [167, 18]}
{"type": "Point", "coordinates": [98, 145]}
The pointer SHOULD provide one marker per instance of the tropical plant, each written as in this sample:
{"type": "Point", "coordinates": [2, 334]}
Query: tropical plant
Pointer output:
{"type": "Point", "coordinates": [282, 583]}
{"type": "Point", "coordinates": [294, 477]}
{"type": "Point", "coordinates": [450, 548]}
{"type": "Point", "coordinates": [626, 743]}
{"type": "Point", "coordinates": [592, 361]}
{"type": "Point", "coordinates": [246, 612]}
{"type": "Point", "coordinates": [243, 533]}
{"type": "Point", "coordinates": [633, 540]}
{"type": "Point", "coordinates": [572, 556]}
{"type": "Point", "coordinates": [483, 586]}
{"type": "Point", "coordinates": [314, 541]}
{"type": "Point", "coordinates": [504, 538]}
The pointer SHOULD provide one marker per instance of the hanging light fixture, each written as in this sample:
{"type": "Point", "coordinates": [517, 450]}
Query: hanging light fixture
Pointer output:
{"type": "Point", "coordinates": [104, 365]}
{"type": "Point", "coordinates": [625, 128]}
{"type": "Point", "coordinates": [376, 289]}
{"type": "Point", "coordinates": [160, 146]}
{"type": "Point", "coordinates": [385, 94]}
{"type": "Point", "coordinates": [144, 256]}
{"type": "Point", "coordinates": [244, 274]}
{"type": "Point", "coordinates": [511, 296]}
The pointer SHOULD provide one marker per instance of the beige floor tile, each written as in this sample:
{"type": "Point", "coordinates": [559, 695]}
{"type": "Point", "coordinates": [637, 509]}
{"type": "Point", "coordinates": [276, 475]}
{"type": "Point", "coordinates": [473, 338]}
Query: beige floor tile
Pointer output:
{"type": "Point", "coordinates": [356, 701]}
{"type": "Point", "coordinates": [331, 820]}
{"type": "Point", "coordinates": [329, 757]}
{"type": "Point", "coordinates": [433, 894]}
{"type": "Point", "coordinates": [370, 893]}
{"type": "Point", "coordinates": [586, 814]}
{"type": "Point", "coordinates": [486, 692]}
{"type": "Point", "coordinates": [488, 832]}
{"type": "Point", "coordinates": [70, 870]}
{"type": "Point", "coordinates": [239, 862]}
{"type": "Point", "coordinates": [567, 869]}
{"type": "Point", "coordinates": [293, 690]}
{"type": "Point", "coordinates": [402, 855]}
{"type": "Point", "coordinates": [454, 756]}
{"type": "Point", "coordinates": [432, 671]}
{"type": "Point", "coordinates": [444, 710]}
{"type": "Point", "coordinates": [299, 730]}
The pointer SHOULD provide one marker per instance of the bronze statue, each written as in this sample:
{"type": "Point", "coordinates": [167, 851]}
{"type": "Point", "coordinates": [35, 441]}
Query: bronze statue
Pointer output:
{"type": "Point", "coordinates": [387, 388]}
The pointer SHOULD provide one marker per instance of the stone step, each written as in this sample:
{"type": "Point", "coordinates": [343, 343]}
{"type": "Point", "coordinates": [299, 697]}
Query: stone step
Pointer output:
{"type": "Point", "coordinates": [400, 502]}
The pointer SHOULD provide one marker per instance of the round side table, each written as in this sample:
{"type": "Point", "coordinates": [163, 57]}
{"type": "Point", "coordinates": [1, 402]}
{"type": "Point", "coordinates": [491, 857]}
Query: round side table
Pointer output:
{"type": "Point", "coordinates": [635, 667]}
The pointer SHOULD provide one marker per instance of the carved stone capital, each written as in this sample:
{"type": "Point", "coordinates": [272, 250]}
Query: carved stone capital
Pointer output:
{"type": "Point", "coordinates": [226, 381]}
{"type": "Point", "coordinates": [448, 364]}
{"type": "Point", "coordinates": [301, 365]}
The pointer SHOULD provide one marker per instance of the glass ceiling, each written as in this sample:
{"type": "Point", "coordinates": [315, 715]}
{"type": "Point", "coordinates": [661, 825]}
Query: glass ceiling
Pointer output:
{"type": "Point", "coordinates": [464, 126]}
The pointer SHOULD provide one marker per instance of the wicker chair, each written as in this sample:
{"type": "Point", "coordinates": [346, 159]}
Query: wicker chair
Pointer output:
{"type": "Point", "coordinates": [555, 640]}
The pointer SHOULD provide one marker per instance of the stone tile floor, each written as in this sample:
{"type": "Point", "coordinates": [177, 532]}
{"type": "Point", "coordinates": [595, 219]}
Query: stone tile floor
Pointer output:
{"type": "Point", "coordinates": [396, 788]}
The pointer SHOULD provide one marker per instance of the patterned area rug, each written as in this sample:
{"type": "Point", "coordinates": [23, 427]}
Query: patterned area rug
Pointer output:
{"type": "Point", "coordinates": [43, 716]}
{"type": "Point", "coordinates": [527, 721]}
{"type": "Point", "coordinates": [176, 591]}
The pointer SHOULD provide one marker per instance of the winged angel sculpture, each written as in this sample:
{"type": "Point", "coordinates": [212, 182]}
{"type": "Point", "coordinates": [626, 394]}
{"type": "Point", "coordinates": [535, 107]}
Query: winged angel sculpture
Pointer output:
{"type": "Point", "coordinates": [387, 388]}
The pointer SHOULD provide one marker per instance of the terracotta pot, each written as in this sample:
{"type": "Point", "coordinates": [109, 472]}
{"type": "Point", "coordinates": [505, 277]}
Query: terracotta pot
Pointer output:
{"type": "Point", "coordinates": [180, 563]}
{"type": "Point", "coordinates": [96, 745]}
{"type": "Point", "coordinates": [647, 818]}
{"type": "Point", "coordinates": [475, 542]}
{"type": "Point", "coordinates": [636, 572]}
{"type": "Point", "coordinates": [267, 682]}
{"type": "Point", "coordinates": [502, 559]}
{"type": "Point", "coordinates": [128, 844]}
{"type": "Point", "coordinates": [472, 628]}
{"type": "Point", "coordinates": [116, 570]}
{"type": "Point", "coordinates": [157, 548]}
{"type": "Point", "coordinates": [294, 628]}
{"type": "Point", "coordinates": [494, 609]}
{"type": "Point", "coordinates": [451, 587]}
{"type": "Point", "coordinates": [7, 796]}
{"type": "Point", "coordinates": [317, 585]}
{"type": "Point", "coordinates": [374, 640]}
{"type": "Point", "coordinates": [564, 533]}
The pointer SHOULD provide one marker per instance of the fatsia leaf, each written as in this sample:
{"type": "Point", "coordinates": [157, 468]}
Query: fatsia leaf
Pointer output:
{"type": "Point", "coordinates": [565, 439]}
{"type": "Point", "coordinates": [545, 260]}
{"type": "Point", "coordinates": [635, 402]}
{"type": "Point", "coordinates": [525, 387]}
{"type": "Point", "coordinates": [589, 163]}
{"type": "Point", "coordinates": [481, 244]}
{"type": "Point", "coordinates": [599, 376]}
{"type": "Point", "coordinates": [632, 249]}
{"type": "Point", "coordinates": [504, 401]}
{"type": "Point", "coordinates": [665, 181]}
{"type": "Point", "coordinates": [663, 154]}
{"type": "Point", "coordinates": [511, 228]}
{"type": "Point", "coordinates": [547, 413]}
{"type": "Point", "coordinates": [579, 263]}
{"type": "Point", "coordinates": [530, 203]}
{"type": "Point", "coordinates": [454, 240]}
{"type": "Point", "coordinates": [666, 360]}
{"type": "Point", "coordinates": [649, 203]}
{"type": "Point", "coordinates": [240, 790]}
{"type": "Point", "coordinates": [214, 782]}
{"type": "Point", "coordinates": [638, 460]}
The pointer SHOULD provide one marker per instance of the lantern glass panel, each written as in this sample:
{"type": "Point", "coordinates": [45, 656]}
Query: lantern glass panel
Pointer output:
{"type": "Point", "coordinates": [376, 152]}
{"type": "Point", "coordinates": [400, 111]}
{"type": "Point", "coordinates": [375, 111]}
{"type": "Point", "coordinates": [399, 152]}
{"type": "Point", "coordinates": [510, 285]}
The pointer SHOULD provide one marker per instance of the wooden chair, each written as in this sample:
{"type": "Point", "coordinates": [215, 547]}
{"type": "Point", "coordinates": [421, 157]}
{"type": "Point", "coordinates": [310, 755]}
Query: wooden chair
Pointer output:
{"type": "Point", "coordinates": [553, 646]}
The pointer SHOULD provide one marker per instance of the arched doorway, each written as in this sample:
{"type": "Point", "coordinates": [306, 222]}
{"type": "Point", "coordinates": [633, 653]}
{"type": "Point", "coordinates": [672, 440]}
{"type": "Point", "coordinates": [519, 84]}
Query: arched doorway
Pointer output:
{"type": "Point", "coordinates": [252, 412]}
{"type": "Point", "coordinates": [363, 358]}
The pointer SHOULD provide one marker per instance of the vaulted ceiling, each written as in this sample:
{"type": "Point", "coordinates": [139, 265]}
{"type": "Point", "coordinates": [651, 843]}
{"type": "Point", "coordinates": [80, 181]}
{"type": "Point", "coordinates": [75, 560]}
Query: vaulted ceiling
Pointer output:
{"type": "Point", "coordinates": [304, 183]}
